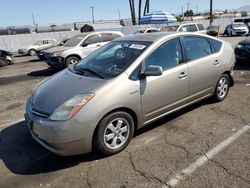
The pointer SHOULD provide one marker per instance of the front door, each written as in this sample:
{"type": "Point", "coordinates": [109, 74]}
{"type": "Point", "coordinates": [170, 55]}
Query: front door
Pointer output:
{"type": "Point", "coordinates": [161, 94]}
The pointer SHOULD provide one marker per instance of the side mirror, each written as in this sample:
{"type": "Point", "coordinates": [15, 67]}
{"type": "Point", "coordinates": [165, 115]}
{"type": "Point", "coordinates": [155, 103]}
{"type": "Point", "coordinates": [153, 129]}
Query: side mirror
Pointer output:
{"type": "Point", "coordinates": [152, 70]}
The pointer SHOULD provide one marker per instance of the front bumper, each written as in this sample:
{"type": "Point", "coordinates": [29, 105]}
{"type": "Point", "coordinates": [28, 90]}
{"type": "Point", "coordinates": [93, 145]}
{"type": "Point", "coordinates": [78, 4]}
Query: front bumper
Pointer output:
{"type": "Point", "coordinates": [63, 138]}
{"type": "Point", "coordinates": [243, 32]}
{"type": "Point", "coordinates": [56, 62]}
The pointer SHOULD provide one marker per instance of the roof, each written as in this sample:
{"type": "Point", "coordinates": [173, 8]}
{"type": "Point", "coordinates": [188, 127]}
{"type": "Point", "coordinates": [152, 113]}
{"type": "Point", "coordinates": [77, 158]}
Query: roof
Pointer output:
{"type": "Point", "coordinates": [144, 37]}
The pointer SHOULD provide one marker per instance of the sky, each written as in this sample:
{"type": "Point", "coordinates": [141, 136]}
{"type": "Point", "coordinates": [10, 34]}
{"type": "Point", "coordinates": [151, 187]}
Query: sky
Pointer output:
{"type": "Point", "coordinates": [19, 12]}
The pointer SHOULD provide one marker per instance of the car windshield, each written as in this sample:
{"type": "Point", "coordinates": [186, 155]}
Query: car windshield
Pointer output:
{"type": "Point", "coordinates": [75, 40]}
{"type": "Point", "coordinates": [171, 28]}
{"type": "Point", "coordinates": [112, 59]}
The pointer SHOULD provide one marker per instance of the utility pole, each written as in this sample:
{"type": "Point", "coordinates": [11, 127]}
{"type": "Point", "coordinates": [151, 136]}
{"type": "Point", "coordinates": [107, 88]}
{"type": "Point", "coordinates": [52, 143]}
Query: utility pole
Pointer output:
{"type": "Point", "coordinates": [93, 15]}
{"type": "Point", "coordinates": [197, 10]}
{"type": "Point", "coordinates": [211, 12]}
{"type": "Point", "coordinates": [34, 22]}
{"type": "Point", "coordinates": [182, 12]}
{"type": "Point", "coordinates": [119, 14]}
{"type": "Point", "coordinates": [188, 6]}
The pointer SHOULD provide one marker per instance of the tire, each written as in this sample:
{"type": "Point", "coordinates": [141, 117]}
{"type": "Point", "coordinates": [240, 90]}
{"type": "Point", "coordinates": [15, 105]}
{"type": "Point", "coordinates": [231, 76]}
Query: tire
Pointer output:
{"type": "Point", "coordinates": [222, 88]}
{"type": "Point", "coordinates": [3, 62]}
{"type": "Point", "coordinates": [71, 61]}
{"type": "Point", "coordinates": [32, 52]}
{"type": "Point", "coordinates": [113, 133]}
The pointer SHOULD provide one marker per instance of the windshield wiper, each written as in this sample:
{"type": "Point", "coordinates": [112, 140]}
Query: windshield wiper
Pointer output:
{"type": "Point", "coordinates": [85, 69]}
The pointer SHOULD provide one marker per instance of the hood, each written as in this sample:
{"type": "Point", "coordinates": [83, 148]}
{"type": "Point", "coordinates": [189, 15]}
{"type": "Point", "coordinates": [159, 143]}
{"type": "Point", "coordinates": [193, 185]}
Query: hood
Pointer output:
{"type": "Point", "coordinates": [4, 53]}
{"type": "Point", "coordinates": [246, 41]}
{"type": "Point", "coordinates": [57, 49]}
{"type": "Point", "coordinates": [48, 47]}
{"type": "Point", "coordinates": [49, 95]}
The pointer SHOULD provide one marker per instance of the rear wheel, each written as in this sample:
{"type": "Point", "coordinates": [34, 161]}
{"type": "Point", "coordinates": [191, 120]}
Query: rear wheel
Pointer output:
{"type": "Point", "coordinates": [222, 88]}
{"type": "Point", "coordinates": [3, 62]}
{"type": "Point", "coordinates": [32, 52]}
{"type": "Point", "coordinates": [71, 61]}
{"type": "Point", "coordinates": [114, 133]}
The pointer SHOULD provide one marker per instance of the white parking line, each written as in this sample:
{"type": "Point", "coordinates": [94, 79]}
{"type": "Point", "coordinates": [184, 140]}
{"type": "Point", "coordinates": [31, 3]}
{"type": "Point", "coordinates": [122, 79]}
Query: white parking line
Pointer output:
{"type": "Point", "coordinates": [12, 123]}
{"type": "Point", "coordinates": [204, 158]}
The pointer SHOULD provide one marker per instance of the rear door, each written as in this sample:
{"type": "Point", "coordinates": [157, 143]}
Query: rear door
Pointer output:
{"type": "Point", "coordinates": [203, 65]}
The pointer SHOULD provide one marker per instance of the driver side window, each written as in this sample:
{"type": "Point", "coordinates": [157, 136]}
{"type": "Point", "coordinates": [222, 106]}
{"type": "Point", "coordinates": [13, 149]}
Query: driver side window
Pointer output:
{"type": "Point", "coordinates": [167, 55]}
{"type": "Point", "coordinates": [92, 40]}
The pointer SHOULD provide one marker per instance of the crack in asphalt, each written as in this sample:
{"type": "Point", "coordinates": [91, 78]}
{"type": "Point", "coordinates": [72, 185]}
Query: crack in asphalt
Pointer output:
{"type": "Point", "coordinates": [228, 172]}
{"type": "Point", "coordinates": [175, 145]}
{"type": "Point", "coordinates": [87, 176]}
{"type": "Point", "coordinates": [148, 178]}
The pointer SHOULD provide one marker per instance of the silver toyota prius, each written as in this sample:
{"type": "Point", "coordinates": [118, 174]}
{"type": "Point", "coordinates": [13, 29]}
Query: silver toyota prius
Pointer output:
{"type": "Point", "coordinates": [125, 85]}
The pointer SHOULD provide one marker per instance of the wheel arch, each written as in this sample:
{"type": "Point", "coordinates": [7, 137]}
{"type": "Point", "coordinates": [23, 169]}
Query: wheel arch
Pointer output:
{"type": "Point", "coordinates": [230, 77]}
{"type": "Point", "coordinates": [121, 109]}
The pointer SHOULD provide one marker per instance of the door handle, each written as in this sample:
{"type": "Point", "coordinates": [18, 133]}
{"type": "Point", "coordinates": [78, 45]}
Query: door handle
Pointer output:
{"type": "Point", "coordinates": [182, 75]}
{"type": "Point", "coordinates": [216, 62]}
{"type": "Point", "coordinates": [98, 45]}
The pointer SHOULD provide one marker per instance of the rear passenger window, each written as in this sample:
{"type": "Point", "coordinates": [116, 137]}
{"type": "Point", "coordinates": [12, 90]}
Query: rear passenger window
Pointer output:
{"type": "Point", "coordinates": [216, 45]}
{"type": "Point", "coordinates": [167, 55]}
{"type": "Point", "coordinates": [200, 26]}
{"type": "Point", "coordinates": [189, 28]}
{"type": "Point", "coordinates": [107, 37]}
{"type": "Point", "coordinates": [197, 47]}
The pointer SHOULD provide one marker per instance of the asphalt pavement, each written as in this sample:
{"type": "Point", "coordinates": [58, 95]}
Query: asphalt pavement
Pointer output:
{"type": "Point", "coordinates": [204, 145]}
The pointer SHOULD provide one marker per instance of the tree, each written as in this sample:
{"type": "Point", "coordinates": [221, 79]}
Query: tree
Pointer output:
{"type": "Point", "coordinates": [189, 13]}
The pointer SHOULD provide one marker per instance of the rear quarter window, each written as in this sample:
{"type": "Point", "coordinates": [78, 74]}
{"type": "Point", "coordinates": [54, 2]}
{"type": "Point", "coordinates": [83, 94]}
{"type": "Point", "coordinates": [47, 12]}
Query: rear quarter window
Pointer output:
{"type": "Point", "coordinates": [216, 45]}
{"type": "Point", "coordinates": [201, 27]}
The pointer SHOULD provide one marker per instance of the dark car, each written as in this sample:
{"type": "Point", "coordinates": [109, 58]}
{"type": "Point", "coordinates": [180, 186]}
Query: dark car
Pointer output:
{"type": "Point", "coordinates": [213, 30]}
{"type": "Point", "coordinates": [41, 54]}
{"type": "Point", "coordinates": [5, 58]}
{"type": "Point", "coordinates": [242, 50]}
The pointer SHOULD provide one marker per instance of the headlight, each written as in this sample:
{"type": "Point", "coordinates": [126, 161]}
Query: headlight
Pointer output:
{"type": "Point", "coordinates": [71, 107]}
{"type": "Point", "coordinates": [239, 46]}
{"type": "Point", "coordinates": [54, 55]}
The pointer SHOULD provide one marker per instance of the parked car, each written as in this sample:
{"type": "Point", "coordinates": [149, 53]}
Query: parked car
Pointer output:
{"type": "Point", "coordinates": [78, 47]}
{"type": "Point", "coordinates": [5, 58]}
{"type": "Point", "coordinates": [213, 30]}
{"type": "Point", "coordinates": [245, 21]}
{"type": "Point", "coordinates": [188, 27]}
{"type": "Point", "coordinates": [41, 54]}
{"type": "Point", "coordinates": [148, 30]}
{"type": "Point", "coordinates": [39, 45]}
{"type": "Point", "coordinates": [125, 85]}
{"type": "Point", "coordinates": [242, 50]}
{"type": "Point", "coordinates": [236, 29]}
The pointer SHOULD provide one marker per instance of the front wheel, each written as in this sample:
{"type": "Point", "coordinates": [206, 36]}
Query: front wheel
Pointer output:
{"type": "Point", "coordinates": [32, 52]}
{"type": "Point", "coordinates": [71, 61]}
{"type": "Point", "coordinates": [222, 88]}
{"type": "Point", "coordinates": [114, 133]}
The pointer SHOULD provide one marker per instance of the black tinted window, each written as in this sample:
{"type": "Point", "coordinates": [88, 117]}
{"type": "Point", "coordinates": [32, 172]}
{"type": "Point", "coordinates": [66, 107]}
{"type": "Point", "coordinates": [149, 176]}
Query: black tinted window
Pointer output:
{"type": "Point", "coordinates": [197, 47]}
{"type": "Point", "coordinates": [167, 55]}
{"type": "Point", "coordinates": [200, 26]}
{"type": "Point", "coordinates": [107, 37]}
{"type": "Point", "coordinates": [189, 28]}
{"type": "Point", "coordinates": [215, 44]}
{"type": "Point", "coordinates": [92, 39]}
